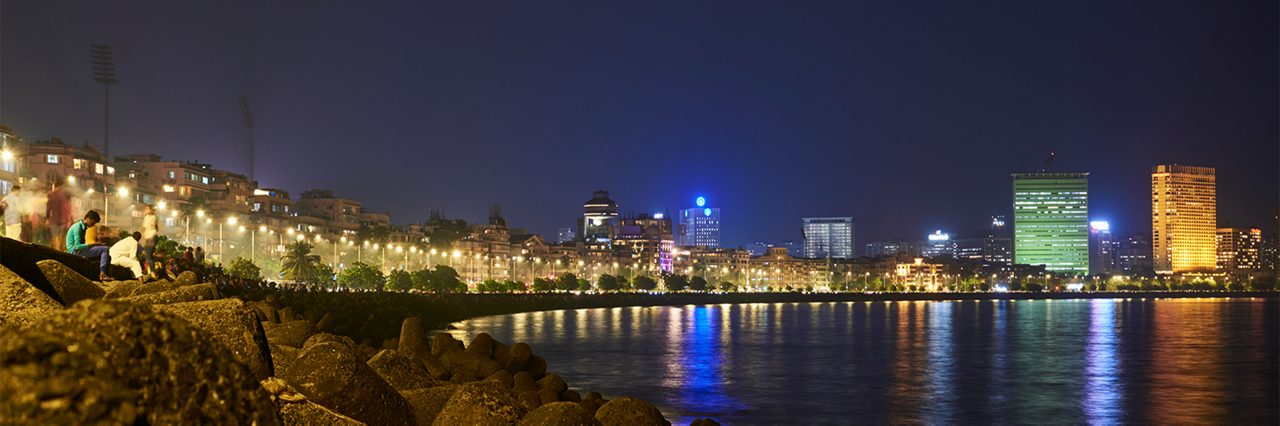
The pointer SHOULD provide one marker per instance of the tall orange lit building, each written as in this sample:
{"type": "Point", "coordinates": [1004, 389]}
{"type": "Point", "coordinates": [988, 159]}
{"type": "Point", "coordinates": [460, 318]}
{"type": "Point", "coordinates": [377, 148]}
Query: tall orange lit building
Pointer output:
{"type": "Point", "coordinates": [1184, 219]}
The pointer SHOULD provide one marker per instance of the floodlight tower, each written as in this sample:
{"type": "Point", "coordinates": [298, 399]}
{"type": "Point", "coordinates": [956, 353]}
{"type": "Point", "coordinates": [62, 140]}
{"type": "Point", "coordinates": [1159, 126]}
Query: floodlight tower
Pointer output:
{"type": "Point", "coordinates": [104, 72]}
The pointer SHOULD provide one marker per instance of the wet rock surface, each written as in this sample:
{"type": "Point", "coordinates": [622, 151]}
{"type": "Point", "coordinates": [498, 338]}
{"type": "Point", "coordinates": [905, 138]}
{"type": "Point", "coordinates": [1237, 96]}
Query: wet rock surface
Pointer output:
{"type": "Point", "coordinates": [559, 414]}
{"type": "Point", "coordinates": [20, 302]}
{"type": "Point", "coordinates": [629, 411]}
{"type": "Point", "coordinates": [484, 403]}
{"type": "Point", "coordinates": [191, 293]}
{"type": "Point", "coordinates": [69, 284]}
{"type": "Point", "coordinates": [234, 325]}
{"type": "Point", "coordinates": [330, 372]}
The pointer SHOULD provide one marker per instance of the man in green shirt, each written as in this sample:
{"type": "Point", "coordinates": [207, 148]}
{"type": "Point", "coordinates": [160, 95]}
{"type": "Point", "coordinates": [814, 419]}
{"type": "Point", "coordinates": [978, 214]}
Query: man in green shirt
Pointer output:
{"type": "Point", "coordinates": [77, 246]}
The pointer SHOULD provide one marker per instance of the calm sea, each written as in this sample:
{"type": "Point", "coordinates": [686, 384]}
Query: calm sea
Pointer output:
{"type": "Point", "coordinates": [1171, 361]}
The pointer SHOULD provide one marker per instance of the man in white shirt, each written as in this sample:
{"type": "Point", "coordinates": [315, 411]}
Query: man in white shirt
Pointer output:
{"type": "Point", "coordinates": [12, 205]}
{"type": "Point", "coordinates": [125, 253]}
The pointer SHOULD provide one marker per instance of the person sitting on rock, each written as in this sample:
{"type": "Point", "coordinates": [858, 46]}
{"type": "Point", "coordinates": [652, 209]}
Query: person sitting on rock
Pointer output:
{"type": "Point", "coordinates": [125, 253]}
{"type": "Point", "coordinates": [77, 246]}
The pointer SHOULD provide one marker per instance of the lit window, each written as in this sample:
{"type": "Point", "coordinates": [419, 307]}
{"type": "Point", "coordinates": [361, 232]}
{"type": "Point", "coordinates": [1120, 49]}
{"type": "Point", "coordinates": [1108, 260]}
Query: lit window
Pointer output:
{"type": "Point", "coordinates": [76, 163]}
{"type": "Point", "coordinates": [204, 180]}
{"type": "Point", "coordinates": [51, 159]}
{"type": "Point", "coordinates": [111, 170]}
{"type": "Point", "coordinates": [168, 188]}
{"type": "Point", "coordinates": [173, 174]}
{"type": "Point", "coordinates": [98, 168]}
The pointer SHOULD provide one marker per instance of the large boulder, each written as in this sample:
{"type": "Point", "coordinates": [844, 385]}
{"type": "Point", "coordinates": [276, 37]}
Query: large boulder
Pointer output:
{"type": "Point", "coordinates": [553, 382]}
{"type": "Point", "coordinates": [111, 362]}
{"type": "Point", "coordinates": [185, 278]}
{"type": "Point", "coordinates": [118, 289]}
{"type": "Point", "coordinates": [482, 345]}
{"type": "Point", "coordinates": [413, 338]}
{"type": "Point", "coordinates": [427, 402]}
{"type": "Point", "coordinates": [482, 403]}
{"type": "Point", "coordinates": [295, 409]}
{"type": "Point", "coordinates": [444, 342]}
{"type": "Point", "coordinates": [289, 333]}
{"type": "Point", "coordinates": [20, 302]}
{"type": "Point", "coordinates": [191, 293]}
{"type": "Point", "coordinates": [70, 285]}
{"type": "Point", "coordinates": [627, 411]}
{"type": "Point", "coordinates": [147, 288]}
{"type": "Point", "coordinates": [559, 414]}
{"type": "Point", "coordinates": [21, 258]}
{"type": "Point", "coordinates": [469, 364]}
{"type": "Point", "coordinates": [234, 324]}
{"type": "Point", "coordinates": [282, 357]}
{"type": "Point", "coordinates": [400, 371]}
{"type": "Point", "coordinates": [331, 373]}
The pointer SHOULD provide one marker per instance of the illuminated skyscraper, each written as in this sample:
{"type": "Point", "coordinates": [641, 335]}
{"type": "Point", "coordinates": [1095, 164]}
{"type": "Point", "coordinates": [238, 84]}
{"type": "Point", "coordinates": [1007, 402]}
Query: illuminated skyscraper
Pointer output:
{"type": "Point", "coordinates": [700, 226]}
{"type": "Point", "coordinates": [1238, 250]}
{"type": "Point", "coordinates": [1051, 221]}
{"type": "Point", "coordinates": [1184, 218]}
{"type": "Point", "coordinates": [1102, 248]}
{"type": "Point", "coordinates": [938, 244]}
{"type": "Point", "coordinates": [828, 237]}
{"type": "Point", "coordinates": [600, 214]}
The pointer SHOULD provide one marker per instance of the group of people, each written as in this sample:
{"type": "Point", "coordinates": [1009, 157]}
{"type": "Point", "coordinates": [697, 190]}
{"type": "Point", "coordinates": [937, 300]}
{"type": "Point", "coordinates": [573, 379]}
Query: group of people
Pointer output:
{"type": "Point", "coordinates": [136, 251]}
{"type": "Point", "coordinates": [34, 215]}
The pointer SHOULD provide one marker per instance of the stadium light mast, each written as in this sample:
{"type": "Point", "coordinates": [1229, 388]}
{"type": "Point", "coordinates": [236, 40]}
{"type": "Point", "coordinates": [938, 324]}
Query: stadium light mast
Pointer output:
{"type": "Point", "coordinates": [104, 72]}
{"type": "Point", "coordinates": [248, 123]}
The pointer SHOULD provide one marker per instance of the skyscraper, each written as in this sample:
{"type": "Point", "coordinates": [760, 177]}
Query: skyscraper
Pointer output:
{"type": "Point", "coordinates": [1184, 221]}
{"type": "Point", "coordinates": [828, 237]}
{"type": "Point", "coordinates": [1102, 248]}
{"type": "Point", "coordinates": [998, 252]}
{"type": "Point", "coordinates": [600, 214]}
{"type": "Point", "coordinates": [700, 225]}
{"type": "Point", "coordinates": [1238, 250]}
{"type": "Point", "coordinates": [1051, 221]}
{"type": "Point", "coordinates": [938, 244]}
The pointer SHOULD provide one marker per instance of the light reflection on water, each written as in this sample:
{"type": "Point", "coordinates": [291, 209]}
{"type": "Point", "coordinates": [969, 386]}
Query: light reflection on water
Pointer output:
{"type": "Point", "coordinates": [1096, 361]}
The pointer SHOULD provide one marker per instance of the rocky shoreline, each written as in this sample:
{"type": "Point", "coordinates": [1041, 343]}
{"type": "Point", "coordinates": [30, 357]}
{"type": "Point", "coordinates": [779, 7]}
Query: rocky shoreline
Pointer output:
{"type": "Point", "coordinates": [182, 352]}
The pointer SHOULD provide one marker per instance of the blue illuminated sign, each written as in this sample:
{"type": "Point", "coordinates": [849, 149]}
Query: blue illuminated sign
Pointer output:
{"type": "Point", "coordinates": [706, 212]}
{"type": "Point", "coordinates": [701, 201]}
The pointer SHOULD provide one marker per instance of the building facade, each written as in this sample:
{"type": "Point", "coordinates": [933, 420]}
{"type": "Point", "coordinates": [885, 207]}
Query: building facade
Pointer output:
{"type": "Point", "coordinates": [1051, 221]}
{"type": "Point", "coordinates": [600, 215]}
{"type": "Point", "coordinates": [1239, 251]}
{"type": "Point", "coordinates": [1102, 248]}
{"type": "Point", "coordinates": [828, 237]}
{"type": "Point", "coordinates": [1184, 219]}
{"type": "Point", "coordinates": [699, 226]}
{"type": "Point", "coordinates": [938, 244]}
{"type": "Point", "coordinates": [892, 248]}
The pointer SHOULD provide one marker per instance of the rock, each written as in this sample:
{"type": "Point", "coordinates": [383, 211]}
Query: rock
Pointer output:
{"type": "Point", "coordinates": [524, 382]}
{"type": "Point", "coordinates": [529, 399]}
{"type": "Point", "coordinates": [470, 363]}
{"type": "Point", "coordinates": [234, 325]}
{"type": "Point", "coordinates": [559, 414]}
{"type": "Point", "coordinates": [427, 402]}
{"type": "Point", "coordinates": [441, 343]}
{"type": "Point", "coordinates": [150, 287]}
{"type": "Point", "coordinates": [70, 285]}
{"type": "Point", "coordinates": [482, 345]}
{"type": "Point", "coordinates": [118, 289]}
{"type": "Point", "coordinates": [110, 362]}
{"type": "Point", "coordinates": [289, 333]}
{"type": "Point", "coordinates": [592, 405]}
{"type": "Point", "coordinates": [463, 377]}
{"type": "Point", "coordinates": [435, 368]}
{"type": "Point", "coordinates": [294, 408]}
{"type": "Point", "coordinates": [571, 396]}
{"type": "Point", "coordinates": [413, 337]}
{"type": "Point", "coordinates": [325, 323]}
{"type": "Point", "coordinates": [484, 403]}
{"type": "Point", "coordinates": [20, 302]}
{"type": "Point", "coordinates": [266, 312]}
{"type": "Point", "coordinates": [502, 354]}
{"type": "Point", "coordinates": [185, 278]}
{"type": "Point", "coordinates": [21, 258]}
{"type": "Point", "coordinates": [704, 422]}
{"type": "Point", "coordinates": [521, 353]}
{"type": "Point", "coordinates": [191, 293]}
{"type": "Point", "coordinates": [629, 411]}
{"type": "Point", "coordinates": [548, 396]}
{"type": "Point", "coordinates": [286, 314]}
{"type": "Point", "coordinates": [282, 358]}
{"type": "Point", "coordinates": [502, 376]}
{"type": "Point", "coordinates": [399, 371]}
{"type": "Point", "coordinates": [553, 382]}
{"type": "Point", "coordinates": [330, 373]}
{"type": "Point", "coordinates": [537, 366]}
{"type": "Point", "coordinates": [392, 344]}
{"type": "Point", "coordinates": [592, 395]}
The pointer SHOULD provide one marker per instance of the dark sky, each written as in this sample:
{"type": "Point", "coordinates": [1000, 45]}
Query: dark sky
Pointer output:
{"type": "Point", "coordinates": [907, 115]}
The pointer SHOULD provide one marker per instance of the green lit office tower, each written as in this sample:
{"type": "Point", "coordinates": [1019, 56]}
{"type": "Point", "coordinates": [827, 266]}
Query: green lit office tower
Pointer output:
{"type": "Point", "coordinates": [1051, 221]}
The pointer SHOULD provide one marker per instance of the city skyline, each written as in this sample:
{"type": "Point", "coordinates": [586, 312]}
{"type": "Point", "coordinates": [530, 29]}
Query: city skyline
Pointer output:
{"type": "Point", "coordinates": [853, 118]}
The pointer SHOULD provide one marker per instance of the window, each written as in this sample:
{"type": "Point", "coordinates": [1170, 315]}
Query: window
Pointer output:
{"type": "Point", "coordinates": [168, 188]}
{"type": "Point", "coordinates": [204, 180]}
{"type": "Point", "coordinates": [257, 207]}
{"type": "Point", "coordinates": [76, 163]}
{"type": "Point", "coordinates": [98, 168]}
{"type": "Point", "coordinates": [51, 159]}
{"type": "Point", "coordinates": [173, 174]}
{"type": "Point", "coordinates": [111, 170]}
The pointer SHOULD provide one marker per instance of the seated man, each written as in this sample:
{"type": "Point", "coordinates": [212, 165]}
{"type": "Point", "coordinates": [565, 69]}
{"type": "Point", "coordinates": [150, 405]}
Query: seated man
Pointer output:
{"type": "Point", "coordinates": [77, 246]}
{"type": "Point", "coordinates": [125, 253]}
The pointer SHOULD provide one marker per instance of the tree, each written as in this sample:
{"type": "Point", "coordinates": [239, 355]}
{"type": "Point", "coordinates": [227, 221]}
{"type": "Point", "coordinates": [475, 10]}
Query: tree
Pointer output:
{"type": "Point", "coordinates": [361, 275]}
{"type": "Point", "coordinates": [726, 286]}
{"type": "Point", "coordinates": [445, 280]}
{"type": "Point", "coordinates": [676, 282]}
{"type": "Point", "coordinates": [543, 284]}
{"type": "Point", "coordinates": [325, 275]}
{"type": "Point", "coordinates": [513, 286]}
{"type": "Point", "coordinates": [298, 264]}
{"type": "Point", "coordinates": [645, 283]}
{"type": "Point", "coordinates": [607, 282]}
{"type": "Point", "coordinates": [399, 280]}
{"type": "Point", "coordinates": [584, 285]}
{"type": "Point", "coordinates": [566, 281]}
{"type": "Point", "coordinates": [244, 269]}
{"type": "Point", "coordinates": [421, 279]}
{"type": "Point", "coordinates": [698, 284]}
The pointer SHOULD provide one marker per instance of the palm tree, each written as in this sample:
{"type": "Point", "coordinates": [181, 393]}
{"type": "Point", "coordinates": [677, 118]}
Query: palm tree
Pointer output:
{"type": "Point", "coordinates": [298, 264]}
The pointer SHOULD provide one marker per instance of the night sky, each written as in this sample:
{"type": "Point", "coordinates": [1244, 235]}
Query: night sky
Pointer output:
{"type": "Point", "coordinates": [909, 116]}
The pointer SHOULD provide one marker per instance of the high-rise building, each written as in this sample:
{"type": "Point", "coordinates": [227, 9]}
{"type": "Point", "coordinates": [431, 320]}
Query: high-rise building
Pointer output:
{"type": "Point", "coordinates": [1133, 256]}
{"type": "Point", "coordinates": [1051, 221]}
{"type": "Point", "coordinates": [649, 240]}
{"type": "Point", "coordinates": [998, 251]}
{"type": "Point", "coordinates": [938, 244]}
{"type": "Point", "coordinates": [1238, 250]}
{"type": "Point", "coordinates": [828, 237]}
{"type": "Point", "coordinates": [565, 235]}
{"type": "Point", "coordinates": [600, 214]}
{"type": "Point", "coordinates": [1102, 248]}
{"type": "Point", "coordinates": [700, 226]}
{"type": "Point", "coordinates": [892, 248]}
{"type": "Point", "coordinates": [1184, 218]}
